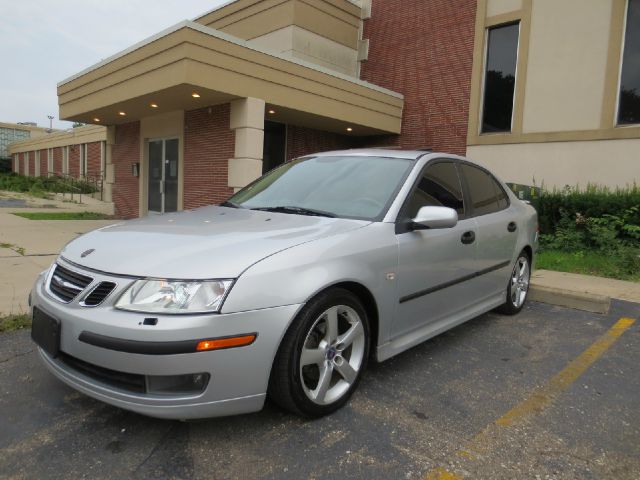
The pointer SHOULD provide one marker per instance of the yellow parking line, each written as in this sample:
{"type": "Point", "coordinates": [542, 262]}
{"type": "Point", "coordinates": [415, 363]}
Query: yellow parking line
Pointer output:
{"type": "Point", "coordinates": [542, 397]}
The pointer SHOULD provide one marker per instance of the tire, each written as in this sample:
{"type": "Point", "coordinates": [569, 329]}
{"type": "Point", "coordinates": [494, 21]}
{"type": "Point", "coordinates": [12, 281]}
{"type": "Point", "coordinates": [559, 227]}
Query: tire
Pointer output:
{"type": "Point", "coordinates": [317, 369]}
{"type": "Point", "coordinates": [518, 286]}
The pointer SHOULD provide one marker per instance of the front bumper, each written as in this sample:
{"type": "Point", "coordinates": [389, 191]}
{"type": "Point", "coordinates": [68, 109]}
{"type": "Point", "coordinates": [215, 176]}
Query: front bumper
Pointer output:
{"type": "Point", "coordinates": [238, 376]}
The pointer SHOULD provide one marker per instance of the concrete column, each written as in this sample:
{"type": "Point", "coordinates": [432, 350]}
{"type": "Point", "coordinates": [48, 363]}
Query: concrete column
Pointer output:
{"type": "Point", "coordinates": [109, 173]}
{"type": "Point", "coordinates": [247, 120]}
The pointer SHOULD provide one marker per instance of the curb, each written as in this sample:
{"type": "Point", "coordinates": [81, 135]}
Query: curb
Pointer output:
{"type": "Point", "coordinates": [589, 302]}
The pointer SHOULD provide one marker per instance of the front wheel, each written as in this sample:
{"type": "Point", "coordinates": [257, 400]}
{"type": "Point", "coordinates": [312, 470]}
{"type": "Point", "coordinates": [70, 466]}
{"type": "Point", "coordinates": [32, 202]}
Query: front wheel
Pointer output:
{"type": "Point", "coordinates": [518, 286]}
{"type": "Point", "coordinates": [322, 355]}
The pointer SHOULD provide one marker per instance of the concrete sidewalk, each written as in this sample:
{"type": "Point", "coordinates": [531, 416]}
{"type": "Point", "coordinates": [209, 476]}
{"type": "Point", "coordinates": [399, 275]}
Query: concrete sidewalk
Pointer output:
{"type": "Point", "coordinates": [29, 246]}
{"type": "Point", "coordinates": [582, 292]}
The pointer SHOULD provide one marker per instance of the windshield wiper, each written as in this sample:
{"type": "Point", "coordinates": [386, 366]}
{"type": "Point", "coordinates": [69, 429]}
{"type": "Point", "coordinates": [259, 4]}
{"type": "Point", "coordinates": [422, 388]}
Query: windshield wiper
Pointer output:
{"type": "Point", "coordinates": [229, 204]}
{"type": "Point", "coordinates": [296, 210]}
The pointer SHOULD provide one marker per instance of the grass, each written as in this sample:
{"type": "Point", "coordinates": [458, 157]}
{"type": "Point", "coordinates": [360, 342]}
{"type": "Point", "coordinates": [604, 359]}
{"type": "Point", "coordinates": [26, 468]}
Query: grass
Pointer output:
{"type": "Point", "coordinates": [15, 248]}
{"type": "Point", "coordinates": [11, 323]}
{"type": "Point", "coordinates": [62, 215]}
{"type": "Point", "coordinates": [584, 262]}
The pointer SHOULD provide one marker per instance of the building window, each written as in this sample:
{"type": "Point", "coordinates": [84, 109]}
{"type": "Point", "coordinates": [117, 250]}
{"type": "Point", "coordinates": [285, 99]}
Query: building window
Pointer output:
{"type": "Point", "coordinates": [500, 78]}
{"type": "Point", "coordinates": [629, 104]}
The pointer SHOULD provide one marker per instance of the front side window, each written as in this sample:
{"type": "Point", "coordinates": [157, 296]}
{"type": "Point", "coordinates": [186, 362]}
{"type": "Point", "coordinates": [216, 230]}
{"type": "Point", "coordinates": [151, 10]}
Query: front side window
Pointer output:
{"type": "Point", "coordinates": [358, 187]}
{"type": "Point", "coordinates": [500, 78]}
{"type": "Point", "coordinates": [629, 104]}
{"type": "Point", "coordinates": [439, 186]}
{"type": "Point", "coordinates": [485, 193]}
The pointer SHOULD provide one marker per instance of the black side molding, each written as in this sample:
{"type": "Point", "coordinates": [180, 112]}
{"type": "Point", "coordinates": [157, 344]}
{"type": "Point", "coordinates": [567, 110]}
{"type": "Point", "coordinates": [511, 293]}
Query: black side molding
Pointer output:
{"type": "Point", "coordinates": [451, 283]}
{"type": "Point", "coordinates": [149, 348]}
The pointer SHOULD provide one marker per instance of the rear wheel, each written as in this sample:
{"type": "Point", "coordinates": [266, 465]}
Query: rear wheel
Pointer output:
{"type": "Point", "coordinates": [322, 355]}
{"type": "Point", "coordinates": [518, 286]}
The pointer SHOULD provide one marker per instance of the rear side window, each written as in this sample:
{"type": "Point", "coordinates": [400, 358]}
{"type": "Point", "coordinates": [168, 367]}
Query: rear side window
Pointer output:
{"type": "Point", "coordinates": [487, 196]}
{"type": "Point", "coordinates": [439, 186]}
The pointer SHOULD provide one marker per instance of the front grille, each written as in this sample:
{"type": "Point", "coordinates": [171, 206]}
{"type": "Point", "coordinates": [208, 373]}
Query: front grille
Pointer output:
{"type": "Point", "coordinates": [98, 294]}
{"type": "Point", "coordinates": [125, 381]}
{"type": "Point", "coordinates": [67, 285]}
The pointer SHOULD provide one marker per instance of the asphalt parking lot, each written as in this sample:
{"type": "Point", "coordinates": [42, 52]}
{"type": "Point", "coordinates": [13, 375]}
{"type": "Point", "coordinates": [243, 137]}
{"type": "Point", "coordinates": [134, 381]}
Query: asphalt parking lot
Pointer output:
{"type": "Point", "coordinates": [552, 393]}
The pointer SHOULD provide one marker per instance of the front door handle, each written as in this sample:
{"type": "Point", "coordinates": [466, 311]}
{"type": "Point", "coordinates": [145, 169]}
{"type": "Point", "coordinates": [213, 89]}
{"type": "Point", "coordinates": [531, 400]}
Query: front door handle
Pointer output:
{"type": "Point", "coordinates": [512, 227]}
{"type": "Point", "coordinates": [468, 237]}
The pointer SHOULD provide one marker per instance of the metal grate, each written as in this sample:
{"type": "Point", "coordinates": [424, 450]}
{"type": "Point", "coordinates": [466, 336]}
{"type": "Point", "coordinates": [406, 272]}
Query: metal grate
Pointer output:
{"type": "Point", "coordinates": [98, 294]}
{"type": "Point", "coordinates": [67, 285]}
{"type": "Point", "coordinates": [125, 381]}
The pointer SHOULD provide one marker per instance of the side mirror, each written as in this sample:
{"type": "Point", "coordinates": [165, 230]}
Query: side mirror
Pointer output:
{"type": "Point", "coordinates": [435, 217]}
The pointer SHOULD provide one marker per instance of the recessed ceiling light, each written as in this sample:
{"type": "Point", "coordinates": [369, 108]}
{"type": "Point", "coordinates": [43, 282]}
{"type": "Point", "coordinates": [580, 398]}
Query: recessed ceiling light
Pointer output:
{"type": "Point", "coordinates": [122, 114]}
{"type": "Point", "coordinates": [96, 119]}
{"type": "Point", "coordinates": [195, 95]}
{"type": "Point", "coordinates": [272, 112]}
{"type": "Point", "coordinates": [154, 105]}
{"type": "Point", "coordinates": [349, 129]}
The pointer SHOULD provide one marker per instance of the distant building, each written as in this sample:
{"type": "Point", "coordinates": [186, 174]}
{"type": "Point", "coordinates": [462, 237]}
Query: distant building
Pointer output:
{"type": "Point", "coordinates": [13, 132]}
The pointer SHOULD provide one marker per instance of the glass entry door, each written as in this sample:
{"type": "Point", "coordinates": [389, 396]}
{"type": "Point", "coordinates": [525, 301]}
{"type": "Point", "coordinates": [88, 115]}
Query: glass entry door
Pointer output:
{"type": "Point", "coordinates": [163, 175]}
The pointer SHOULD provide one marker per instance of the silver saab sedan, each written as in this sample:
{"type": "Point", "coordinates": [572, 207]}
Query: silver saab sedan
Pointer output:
{"type": "Point", "coordinates": [287, 289]}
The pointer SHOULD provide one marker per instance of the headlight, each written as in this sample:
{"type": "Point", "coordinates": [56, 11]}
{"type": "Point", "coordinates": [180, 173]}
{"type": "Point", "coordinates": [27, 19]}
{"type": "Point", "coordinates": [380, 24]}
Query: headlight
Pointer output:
{"type": "Point", "coordinates": [174, 296]}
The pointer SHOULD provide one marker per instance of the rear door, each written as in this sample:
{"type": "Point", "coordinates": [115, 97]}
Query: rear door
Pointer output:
{"type": "Point", "coordinates": [496, 233]}
{"type": "Point", "coordinates": [432, 264]}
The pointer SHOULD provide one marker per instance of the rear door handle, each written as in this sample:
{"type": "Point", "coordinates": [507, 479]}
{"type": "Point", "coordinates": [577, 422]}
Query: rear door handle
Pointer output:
{"type": "Point", "coordinates": [468, 237]}
{"type": "Point", "coordinates": [512, 227]}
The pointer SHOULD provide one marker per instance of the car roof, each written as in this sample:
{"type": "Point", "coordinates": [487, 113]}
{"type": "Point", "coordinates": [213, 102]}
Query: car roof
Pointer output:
{"type": "Point", "coordinates": [390, 153]}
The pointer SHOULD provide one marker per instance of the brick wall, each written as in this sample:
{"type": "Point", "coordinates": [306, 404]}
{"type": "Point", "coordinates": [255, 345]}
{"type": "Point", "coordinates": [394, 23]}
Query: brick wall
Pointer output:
{"type": "Point", "coordinates": [125, 152]}
{"type": "Point", "coordinates": [303, 141]}
{"type": "Point", "coordinates": [94, 165]}
{"type": "Point", "coordinates": [208, 146]}
{"type": "Point", "coordinates": [44, 170]}
{"type": "Point", "coordinates": [57, 160]}
{"type": "Point", "coordinates": [424, 50]}
{"type": "Point", "coordinates": [74, 160]}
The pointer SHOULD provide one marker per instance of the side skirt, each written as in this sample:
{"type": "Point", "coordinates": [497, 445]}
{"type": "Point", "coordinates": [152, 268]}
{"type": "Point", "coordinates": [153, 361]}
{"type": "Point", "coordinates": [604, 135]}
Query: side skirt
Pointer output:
{"type": "Point", "coordinates": [430, 330]}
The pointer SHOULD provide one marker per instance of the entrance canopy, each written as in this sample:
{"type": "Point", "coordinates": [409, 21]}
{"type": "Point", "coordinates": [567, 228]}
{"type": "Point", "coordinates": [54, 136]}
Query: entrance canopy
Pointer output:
{"type": "Point", "coordinates": [190, 66]}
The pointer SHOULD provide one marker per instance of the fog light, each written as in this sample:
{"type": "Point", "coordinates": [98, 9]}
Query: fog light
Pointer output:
{"type": "Point", "coordinates": [192, 383]}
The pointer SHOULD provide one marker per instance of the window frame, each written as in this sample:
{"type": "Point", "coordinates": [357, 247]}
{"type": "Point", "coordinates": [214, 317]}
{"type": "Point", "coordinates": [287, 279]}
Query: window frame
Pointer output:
{"type": "Point", "coordinates": [623, 45]}
{"type": "Point", "coordinates": [403, 221]}
{"type": "Point", "coordinates": [467, 191]}
{"type": "Point", "coordinates": [485, 57]}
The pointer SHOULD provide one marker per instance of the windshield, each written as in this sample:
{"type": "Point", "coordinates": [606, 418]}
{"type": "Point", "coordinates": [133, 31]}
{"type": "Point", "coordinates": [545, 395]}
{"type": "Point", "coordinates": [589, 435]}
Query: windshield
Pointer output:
{"type": "Point", "coordinates": [350, 186]}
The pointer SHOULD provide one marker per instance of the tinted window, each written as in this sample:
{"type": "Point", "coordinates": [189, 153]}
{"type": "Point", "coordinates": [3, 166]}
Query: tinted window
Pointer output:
{"type": "Point", "coordinates": [486, 194]}
{"type": "Point", "coordinates": [629, 108]}
{"type": "Point", "coordinates": [500, 78]}
{"type": "Point", "coordinates": [438, 187]}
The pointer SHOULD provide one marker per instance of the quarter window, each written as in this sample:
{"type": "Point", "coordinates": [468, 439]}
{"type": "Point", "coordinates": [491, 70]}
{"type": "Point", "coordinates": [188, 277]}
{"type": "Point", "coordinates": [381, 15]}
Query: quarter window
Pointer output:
{"type": "Point", "coordinates": [629, 105]}
{"type": "Point", "coordinates": [438, 187]}
{"type": "Point", "coordinates": [500, 78]}
{"type": "Point", "coordinates": [486, 195]}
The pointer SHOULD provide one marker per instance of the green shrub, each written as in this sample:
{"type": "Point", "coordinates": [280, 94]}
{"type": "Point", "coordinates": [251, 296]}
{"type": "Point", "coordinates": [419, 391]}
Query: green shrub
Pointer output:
{"type": "Point", "coordinates": [592, 202]}
{"type": "Point", "coordinates": [38, 185]}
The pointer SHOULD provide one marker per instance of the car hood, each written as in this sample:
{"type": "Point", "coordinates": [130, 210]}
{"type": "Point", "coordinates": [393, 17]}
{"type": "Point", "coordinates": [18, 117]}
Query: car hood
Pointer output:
{"type": "Point", "coordinates": [209, 242]}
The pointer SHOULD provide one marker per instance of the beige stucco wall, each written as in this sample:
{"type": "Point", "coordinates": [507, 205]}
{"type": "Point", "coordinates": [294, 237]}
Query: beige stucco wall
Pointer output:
{"type": "Point", "coordinates": [556, 164]}
{"type": "Point", "coordinates": [74, 136]}
{"type": "Point", "coordinates": [500, 7]}
{"type": "Point", "coordinates": [567, 64]}
{"type": "Point", "coordinates": [296, 42]}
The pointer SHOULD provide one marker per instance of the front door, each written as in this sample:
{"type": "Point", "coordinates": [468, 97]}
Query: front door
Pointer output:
{"type": "Point", "coordinates": [433, 264]}
{"type": "Point", "coordinates": [163, 175]}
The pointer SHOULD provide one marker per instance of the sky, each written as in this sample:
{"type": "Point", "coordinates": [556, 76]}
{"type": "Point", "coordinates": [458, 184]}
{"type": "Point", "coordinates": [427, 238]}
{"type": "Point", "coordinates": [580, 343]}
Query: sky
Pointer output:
{"type": "Point", "coordinates": [44, 41]}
